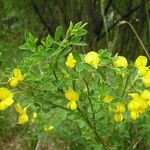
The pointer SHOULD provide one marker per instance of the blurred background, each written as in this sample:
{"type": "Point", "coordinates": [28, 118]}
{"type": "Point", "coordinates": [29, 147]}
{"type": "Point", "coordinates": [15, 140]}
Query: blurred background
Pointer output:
{"type": "Point", "coordinates": [41, 17]}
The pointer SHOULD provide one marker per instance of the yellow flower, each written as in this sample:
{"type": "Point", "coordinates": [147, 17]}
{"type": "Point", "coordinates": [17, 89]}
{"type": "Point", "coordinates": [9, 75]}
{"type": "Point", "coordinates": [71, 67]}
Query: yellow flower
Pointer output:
{"type": "Point", "coordinates": [141, 61]}
{"type": "Point", "coordinates": [71, 95]}
{"type": "Point", "coordinates": [118, 117]}
{"type": "Point", "coordinates": [108, 99]}
{"type": "Point", "coordinates": [19, 109]}
{"type": "Point", "coordinates": [6, 103]}
{"type": "Point", "coordinates": [142, 70]}
{"type": "Point", "coordinates": [23, 117]}
{"type": "Point", "coordinates": [120, 62]}
{"type": "Point", "coordinates": [146, 79]}
{"type": "Point", "coordinates": [17, 76]}
{"type": "Point", "coordinates": [6, 98]}
{"type": "Point", "coordinates": [13, 82]}
{"type": "Point", "coordinates": [134, 115]}
{"type": "Point", "coordinates": [5, 93]}
{"type": "Point", "coordinates": [92, 58]}
{"type": "Point", "coordinates": [133, 105]}
{"type": "Point", "coordinates": [120, 108]}
{"type": "Point", "coordinates": [71, 62]}
{"type": "Point", "coordinates": [72, 105]}
{"type": "Point", "coordinates": [34, 115]}
{"type": "Point", "coordinates": [48, 129]}
{"type": "Point", "coordinates": [145, 94]}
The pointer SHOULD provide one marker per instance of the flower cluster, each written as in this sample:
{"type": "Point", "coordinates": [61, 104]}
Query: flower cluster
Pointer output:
{"type": "Point", "coordinates": [119, 110]}
{"type": "Point", "coordinates": [120, 62]}
{"type": "Point", "coordinates": [72, 96]}
{"type": "Point", "coordinates": [48, 128]}
{"type": "Point", "coordinates": [91, 58]}
{"type": "Point", "coordinates": [6, 98]}
{"type": "Point", "coordinates": [71, 62]}
{"type": "Point", "coordinates": [23, 117]}
{"type": "Point", "coordinates": [143, 70]}
{"type": "Point", "coordinates": [17, 77]}
{"type": "Point", "coordinates": [138, 104]}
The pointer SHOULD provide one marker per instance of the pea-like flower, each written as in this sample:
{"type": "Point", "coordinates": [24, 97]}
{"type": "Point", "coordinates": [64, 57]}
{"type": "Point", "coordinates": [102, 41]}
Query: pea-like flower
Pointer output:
{"type": "Point", "coordinates": [108, 99]}
{"type": "Point", "coordinates": [146, 79]}
{"type": "Point", "coordinates": [118, 117]}
{"type": "Point", "coordinates": [92, 58]}
{"type": "Point", "coordinates": [6, 98]}
{"type": "Point", "coordinates": [72, 96]}
{"type": "Point", "coordinates": [120, 62]}
{"type": "Point", "coordinates": [48, 128]}
{"type": "Point", "coordinates": [17, 77]}
{"type": "Point", "coordinates": [23, 117]}
{"type": "Point", "coordinates": [71, 62]}
{"type": "Point", "coordinates": [141, 61]}
{"type": "Point", "coordinates": [138, 104]}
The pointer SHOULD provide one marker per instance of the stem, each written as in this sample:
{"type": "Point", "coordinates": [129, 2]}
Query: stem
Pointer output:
{"type": "Point", "coordinates": [105, 23]}
{"type": "Point", "coordinates": [90, 101]}
{"type": "Point", "coordinates": [37, 145]}
{"type": "Point", "coordinates": [139, 39]}
{"type": "Point", "coordinates": [126, 85]}
{"type": "Point", "coordinates": [98, 138]}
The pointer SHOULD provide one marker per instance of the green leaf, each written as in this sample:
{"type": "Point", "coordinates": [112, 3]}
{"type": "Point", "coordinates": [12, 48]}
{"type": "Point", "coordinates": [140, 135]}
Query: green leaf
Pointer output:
{"type": "Point", "coordinates": [25, 46]}
{"type": "Point", "coordinates": [79, 67]}
{"type": "Point", "coordinates": [81, 32]}
{"type": "Point", "coordinates": [77, 26]}
{"type": "Point", "coordinates": [76, 56]}
{"type": "Point", "coordinates": [78, 43]}
{"type": "Point", "coordinates": [49, 41]}
{"type": "Point", "coordinates": [88, 67]}
{"type": "Point", "coordinates": [75, 39]}
{"type": "Point", "coordinates": [58, 33]}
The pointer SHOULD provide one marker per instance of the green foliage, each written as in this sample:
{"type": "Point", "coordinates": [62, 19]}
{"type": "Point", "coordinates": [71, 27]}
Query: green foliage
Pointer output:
{"type": "Point", "coordinates": [47, 79]}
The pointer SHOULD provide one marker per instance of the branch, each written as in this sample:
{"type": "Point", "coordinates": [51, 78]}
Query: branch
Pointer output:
{"type": "Point", "coordinates": [40, 16]}
{"type": "Point", "coordinates": [123, 17]}
{"type": "Point", "coordinates": [90, 101]}
{"type": "Point", "coordinates": [97, 136]}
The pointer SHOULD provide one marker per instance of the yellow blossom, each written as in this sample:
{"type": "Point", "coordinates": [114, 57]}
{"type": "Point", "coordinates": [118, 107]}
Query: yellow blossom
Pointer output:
{"type": "Point", "coordinates": [120, 108]}
{"type": "Point", "coordinates": [142, 70]}
{"type": "Point", "coordinates": [92, 58]}
{"type": "Point", "coordinates": [134, 115]}
{"type": "Point", "coordinates": [19, 109]}
{"type": "Point", "coordinates": [145, 94]}
{"type": "Point", "coordinates": [120, 61]}
{"type": "Point", "coordinates": [5, 93]}
{"type": "Point", "coordinates": [133, 105]}
{"type": "Point", "coordinates": [108, 99]}
{"type": "Point", "coordinates": [71, 62]}
{"type": "Point", "coordinates": [17, 77]}
{"type": "Point", "coordinates": [23, 117]}
{"type": "Point", "coordinates": [118, 117]}
{"type": "Point", "coordinates": [72, 105]}
{"type": "Point", "coordinates": [141, 61]}
{"type": "Point", "coordinates": [6, 98]}
{"type": "Point", "coordinates": [48, 128]}
{"type": "Point", "coordinates": [17, 74]}
{"type": "Point", "coordinates": [13, 82]}
{"type": "Point", "coordinates": [34, 115]}
{"type": "Point", "coordinates": [71, 95]}
{"type": "Point", "coordinates": [146, 79]}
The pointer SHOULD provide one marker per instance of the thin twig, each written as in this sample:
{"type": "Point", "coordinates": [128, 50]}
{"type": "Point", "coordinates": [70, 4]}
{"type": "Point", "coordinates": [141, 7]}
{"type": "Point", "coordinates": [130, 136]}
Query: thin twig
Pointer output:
{"type": "Point", "coordinates": [139, 39]}
{"type": "Point", "coordinates": [37, 145]}
{"type": "Point", "coordinates": [90, 101]}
